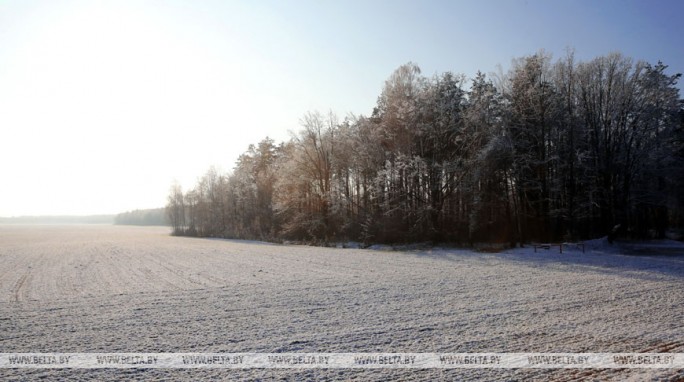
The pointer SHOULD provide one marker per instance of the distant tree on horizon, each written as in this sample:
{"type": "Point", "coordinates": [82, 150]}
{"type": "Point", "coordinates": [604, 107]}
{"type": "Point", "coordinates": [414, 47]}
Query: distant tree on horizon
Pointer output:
{"type": "Point", "coordinates": [147, 217]}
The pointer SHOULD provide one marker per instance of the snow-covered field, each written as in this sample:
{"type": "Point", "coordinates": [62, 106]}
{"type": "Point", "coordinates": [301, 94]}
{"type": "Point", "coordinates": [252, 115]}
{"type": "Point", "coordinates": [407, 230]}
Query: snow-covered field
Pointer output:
{"type": "Point", "coordinates": [131, 289]}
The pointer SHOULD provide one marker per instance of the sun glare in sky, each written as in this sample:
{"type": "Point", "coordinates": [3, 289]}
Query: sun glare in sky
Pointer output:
{"type": "Point", "coordinates": [103, 104]}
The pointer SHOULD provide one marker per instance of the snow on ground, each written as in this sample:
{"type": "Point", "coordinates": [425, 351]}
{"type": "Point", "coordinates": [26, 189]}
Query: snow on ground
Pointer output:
{"type": "Point", "coordinates": [132, 289]}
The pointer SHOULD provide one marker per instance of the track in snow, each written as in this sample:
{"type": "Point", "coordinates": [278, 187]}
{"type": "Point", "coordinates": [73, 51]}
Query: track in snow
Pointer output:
{"type": "Point", "coordinates": [130, 289]}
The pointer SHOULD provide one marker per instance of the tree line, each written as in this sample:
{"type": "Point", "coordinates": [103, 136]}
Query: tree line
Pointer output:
{"type": "Point", "coordinates": [155, 216]}
{"type": "Point", "coordinates": [550, 150]}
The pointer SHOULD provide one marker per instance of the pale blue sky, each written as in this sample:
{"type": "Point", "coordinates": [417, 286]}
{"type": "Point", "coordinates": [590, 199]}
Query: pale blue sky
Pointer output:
{"type": "Point", "coordinates": [104, 103]}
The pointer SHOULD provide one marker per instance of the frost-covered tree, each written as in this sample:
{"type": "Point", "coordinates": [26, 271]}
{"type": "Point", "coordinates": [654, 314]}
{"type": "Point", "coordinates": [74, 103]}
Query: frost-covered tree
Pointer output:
{"type": "Point", "coordinates": [530, 125]}
{"type": "Point", "coordinates": [175, 209]}
{"type": "Point", "coordinates": [654, 158]}
{"type": "Point", "coordinates": [488, 158]}
{"type": "Point", "coordinates": [305, 192]}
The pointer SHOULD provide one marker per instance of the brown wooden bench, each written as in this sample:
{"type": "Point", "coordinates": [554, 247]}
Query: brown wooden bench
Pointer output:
{"type": "Point", "coordinates": [559, 245]}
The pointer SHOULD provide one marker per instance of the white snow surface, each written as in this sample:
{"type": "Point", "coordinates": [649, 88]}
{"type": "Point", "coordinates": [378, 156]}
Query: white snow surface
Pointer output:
{"type": "Point", "coordinates": [137, 289]}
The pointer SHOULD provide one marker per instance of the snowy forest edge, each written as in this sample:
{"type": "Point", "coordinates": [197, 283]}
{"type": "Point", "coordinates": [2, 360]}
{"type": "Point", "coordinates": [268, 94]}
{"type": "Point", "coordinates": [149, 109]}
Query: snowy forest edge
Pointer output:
{"type": "Point", "coordinates": [549, 151]}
